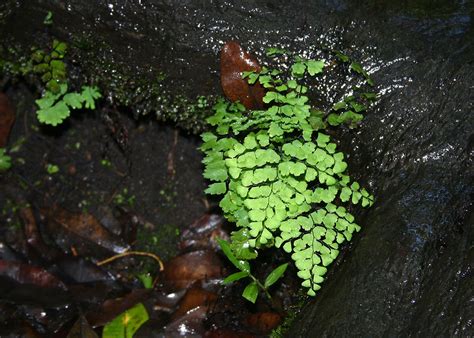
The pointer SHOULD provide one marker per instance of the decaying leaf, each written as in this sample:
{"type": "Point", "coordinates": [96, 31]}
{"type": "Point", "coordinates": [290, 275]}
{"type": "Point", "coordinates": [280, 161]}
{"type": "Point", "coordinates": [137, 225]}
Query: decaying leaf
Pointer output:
{"type": "Point", "coordinates": [234, 61]}
{"type": "Point", "coordinates": [83, 232]}
{"type": "Point", "coordinates": [184, 270]}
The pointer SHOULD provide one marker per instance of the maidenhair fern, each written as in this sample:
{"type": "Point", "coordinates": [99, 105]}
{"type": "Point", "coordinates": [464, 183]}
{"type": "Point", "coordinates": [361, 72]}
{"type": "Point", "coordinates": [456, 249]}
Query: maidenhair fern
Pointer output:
{"type": "Point", "coordinates": [56, 103]}
{"type": "Point", "coordinates": [284, 182]}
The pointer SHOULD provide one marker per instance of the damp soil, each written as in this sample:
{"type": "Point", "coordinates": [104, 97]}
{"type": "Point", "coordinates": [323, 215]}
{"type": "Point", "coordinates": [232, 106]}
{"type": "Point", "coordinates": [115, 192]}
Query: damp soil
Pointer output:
{"type": "Point", "coordinates": [121, 185]}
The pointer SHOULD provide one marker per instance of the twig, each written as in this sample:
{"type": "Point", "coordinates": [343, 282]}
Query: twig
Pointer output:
{"type": "Point", "coordinates": [135, 253]}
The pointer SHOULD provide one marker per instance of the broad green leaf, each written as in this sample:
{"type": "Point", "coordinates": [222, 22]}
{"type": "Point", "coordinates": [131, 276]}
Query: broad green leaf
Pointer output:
{"type": "Point", "coordinates": [226, 249]}
{"type": "Point", "coordinates": [53, 115]}
{"type": "Point", "coordinates": [314, 67]}
{"type": "Point", "coordinates": [235, 276]}
{"type": "Point", "coordinates": [47, 100]}
{"type": "Point", "coordinates": [251, 292]}
{"type": "Point", "coordinates": [126, 324]}
{"type": "Point", "coordinates": [275, 275]}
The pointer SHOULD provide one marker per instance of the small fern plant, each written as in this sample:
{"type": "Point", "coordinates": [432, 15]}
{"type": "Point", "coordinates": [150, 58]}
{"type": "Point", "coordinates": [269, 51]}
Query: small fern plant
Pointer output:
{"type": "Point", "coordinates": [57, 101]}
{"type": "Point", "coordinates": [282, 179]}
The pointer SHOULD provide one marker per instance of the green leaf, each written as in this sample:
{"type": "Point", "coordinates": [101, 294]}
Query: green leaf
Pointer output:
{"type": "Point", "coordinates": [126, 324]}
{"type": "Point", "coordinates": [58, 70]}
{"type": "Point", "coordinates": [52, 169]}
{"type": "Point", "coordinates": [235, 276]}
{"type": "Point", "coordinates": [216, 189]}
{"type": "Point", "coordinates": [341, 56]}
{"type": "Point", "coordinates": [240, 244]}
{"type": "Point", "coordinates": [53, 115]}
{"type": "Point", "coordinates": [74, 100]}
{"type": "Point", "coordinates": [292, 84]}
{"type": "Point", "coordinates": [251, 292]}
{"type": "Point", "coordinates": [357, 67]}
{"type": "Point", "coordinates": [5, 160]}
{"type": "Point", "coordinates": [269, 97]}
{"type": "Point", "coordinates": [275, 275]}
{"type": "Point", "coordinates": [298, 68]}
{"type": "Point", "coordinates": [146, 279]}
{"type": "Point", "coordinates": [314, 67]}
{"type": "Point", "coordinates": [322, 139]}
{"type": "Point", "coordinates": [339, 167]}
{"type": "Point", "coordinates": [90, 95]}
{"type": "Point", "coordinates": [340, 105]}
{"type": "Point", "coordinates": [48, 19]}
{"type": "Point", "coordinates": [272, 51]}
{"type": "Point", "coordinates": [239, 264]}
{"type": "Point", "coordinates": [215, 174]}
{"type": "Point", "coordinates": [60, 47]}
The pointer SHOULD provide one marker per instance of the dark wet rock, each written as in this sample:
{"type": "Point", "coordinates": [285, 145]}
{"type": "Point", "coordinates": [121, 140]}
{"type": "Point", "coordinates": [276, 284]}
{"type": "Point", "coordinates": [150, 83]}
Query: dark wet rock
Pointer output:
{"type": "Point", "coordinates": [235, 61]}
{"type": "Point", "coordinates": [409, 271]}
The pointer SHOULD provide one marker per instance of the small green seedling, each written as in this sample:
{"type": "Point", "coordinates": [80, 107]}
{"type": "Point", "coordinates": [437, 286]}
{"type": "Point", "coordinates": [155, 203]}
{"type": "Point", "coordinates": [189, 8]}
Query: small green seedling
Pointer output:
{"type": "Point", "coordinates": [52, 169]}
{"type": "Point", "coordinates": [146, 279]}
{"type": "Point", "coordinates": [48, 20]}
{"type": "Point", "coordinates": [252, 289]}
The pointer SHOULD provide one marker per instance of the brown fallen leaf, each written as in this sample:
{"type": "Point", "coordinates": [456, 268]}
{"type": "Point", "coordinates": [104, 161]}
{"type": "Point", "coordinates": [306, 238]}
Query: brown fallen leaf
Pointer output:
{"type": "Point", "coordinates": [183, 270]}
{"type": "Point", "coordinates": [194, 297]}
{"type": "Point", "coordinates": [83, 232]}
{"type": "Point", "coordinates": [111, 308]}
{"type": "Point", "coordinates": [33, 236]}
{"type": "Point", "coordinates": [189, 325]}
{"type": "Point", "coordinates": [225, 333]}
{"type": "Point", "coordinates": [7, 118]}
{"type": "Point", "coordinates": [203, 233]}
{"type": "Point", "coordinates": [82, 329]}
{"type": "Point", "coordinates": [234, 61]}
{"type": "Point", "coordinates": [28, 274]}
{"type": "Point", "coordinates": [263, 322]}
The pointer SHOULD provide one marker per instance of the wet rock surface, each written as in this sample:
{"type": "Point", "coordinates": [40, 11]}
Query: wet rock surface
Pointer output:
{"type": "Point", "coordinates": [409, 272]}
